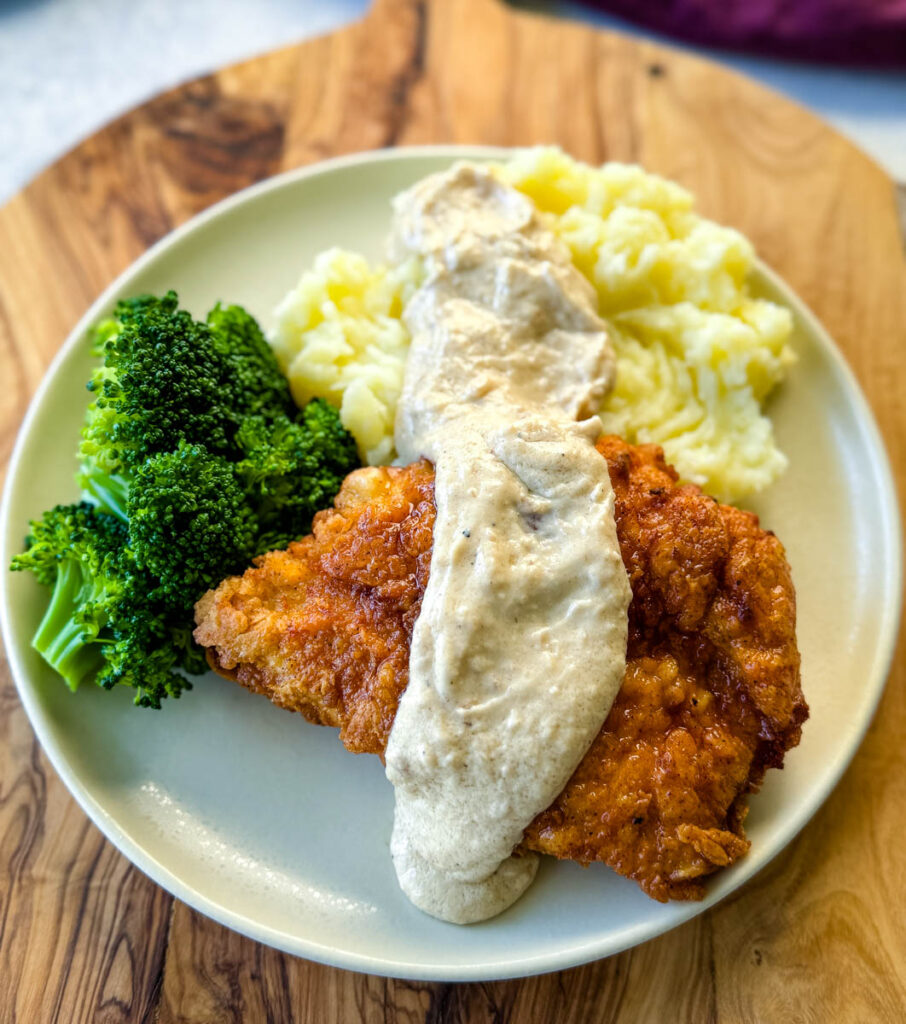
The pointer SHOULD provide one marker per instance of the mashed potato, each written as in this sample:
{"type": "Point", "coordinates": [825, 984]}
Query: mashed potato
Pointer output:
{"type": "Point", "coordinates": [339, 336]}
{"type": "Point", "coordinates": [696, 354]}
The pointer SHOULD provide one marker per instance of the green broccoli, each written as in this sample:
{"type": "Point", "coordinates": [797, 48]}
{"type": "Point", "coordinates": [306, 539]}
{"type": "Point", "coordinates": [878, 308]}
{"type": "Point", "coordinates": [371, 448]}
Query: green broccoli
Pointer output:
{"type": "Point", "coordinates": [281, 453]}
{"type": "Point", "coordinates": [190, 524]}
{"type": "Point", "coordinates": [194, 459]}
{"type": "Point", "coordinates": [166, 378]}
{"type": "Point", "coordinates": [194, 517]}
{"type": "Point", "coordinates": [159, 382]}
{"type": "Point", "coordinates": [104, 618]}
{"type": "Point", "coordinates": [258, 386]}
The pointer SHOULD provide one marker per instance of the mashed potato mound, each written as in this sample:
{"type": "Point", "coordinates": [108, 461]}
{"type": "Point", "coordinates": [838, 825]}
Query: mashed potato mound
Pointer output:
{"type": "Point", "coordinates": [339, 336]}
{"type": "Point", "coordinates": [696, 354]}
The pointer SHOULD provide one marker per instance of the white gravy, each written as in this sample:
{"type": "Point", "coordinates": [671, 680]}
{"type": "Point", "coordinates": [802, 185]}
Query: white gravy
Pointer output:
{"type": "Point", "coordinates": [520, 646]}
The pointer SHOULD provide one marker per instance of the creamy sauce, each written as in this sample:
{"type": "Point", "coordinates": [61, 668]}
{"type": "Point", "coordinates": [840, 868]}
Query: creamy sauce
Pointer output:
{"type": "Point", "coordinates": [519, 649]}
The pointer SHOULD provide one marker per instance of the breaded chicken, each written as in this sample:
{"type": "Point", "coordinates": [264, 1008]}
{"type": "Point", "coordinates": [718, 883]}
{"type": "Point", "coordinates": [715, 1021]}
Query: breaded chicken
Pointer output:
{"type": "Point", "coordinates": [711, 697]}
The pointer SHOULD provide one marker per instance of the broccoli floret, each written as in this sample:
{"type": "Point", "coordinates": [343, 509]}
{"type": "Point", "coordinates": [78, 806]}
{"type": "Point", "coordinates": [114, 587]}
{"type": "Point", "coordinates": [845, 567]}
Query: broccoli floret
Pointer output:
{"type": "Point", "coordinates": [160, 381]}
{"type": "Point", "coordinates": [195, 460]}
{"type": "Point", "coordinates": [145, 659]}
{"type": "Point", "coordinates": [194, 517]}
{"type": "Point", "coordinates": [103, 618]}
{"type": "Point", "coordinates": [190, 524]}
{"type": "Point", "coordinates": [259, 385]}
{"type": "Point", "coordinates": [75, 551]}
{"type": "Point", "coordinates": [292, 469]}
{"type": "Point", "coordinates": [165, 378]}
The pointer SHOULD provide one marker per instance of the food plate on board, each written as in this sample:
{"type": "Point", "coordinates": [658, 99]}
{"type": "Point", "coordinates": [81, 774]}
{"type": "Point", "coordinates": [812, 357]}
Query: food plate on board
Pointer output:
{"type": "Point", "coordinates": [262, 821]}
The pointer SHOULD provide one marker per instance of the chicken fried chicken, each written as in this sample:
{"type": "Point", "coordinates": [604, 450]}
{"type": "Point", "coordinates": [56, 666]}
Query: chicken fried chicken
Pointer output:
{"type": "Point", "coordinates": [711, 697]}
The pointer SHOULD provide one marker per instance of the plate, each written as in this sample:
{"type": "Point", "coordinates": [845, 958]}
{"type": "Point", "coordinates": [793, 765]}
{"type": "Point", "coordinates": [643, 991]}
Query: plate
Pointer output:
{"type": "Point", "coordinates": [264, 822]}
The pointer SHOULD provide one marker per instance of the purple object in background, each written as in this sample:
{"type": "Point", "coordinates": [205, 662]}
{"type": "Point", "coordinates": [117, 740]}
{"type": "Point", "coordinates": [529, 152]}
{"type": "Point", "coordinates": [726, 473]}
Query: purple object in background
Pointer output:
{"type": "Point", "coordinates": [870, 33]}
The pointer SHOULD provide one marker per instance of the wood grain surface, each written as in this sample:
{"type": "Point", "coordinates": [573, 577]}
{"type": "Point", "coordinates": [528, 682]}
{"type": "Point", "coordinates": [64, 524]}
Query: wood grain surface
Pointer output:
{"type": "Point", "coordinates": [820, 935]}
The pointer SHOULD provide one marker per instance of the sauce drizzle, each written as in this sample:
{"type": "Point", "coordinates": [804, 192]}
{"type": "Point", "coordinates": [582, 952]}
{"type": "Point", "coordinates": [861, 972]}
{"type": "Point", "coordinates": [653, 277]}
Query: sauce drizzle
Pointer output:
{"type": "Point", "coordinates": [519, 649]}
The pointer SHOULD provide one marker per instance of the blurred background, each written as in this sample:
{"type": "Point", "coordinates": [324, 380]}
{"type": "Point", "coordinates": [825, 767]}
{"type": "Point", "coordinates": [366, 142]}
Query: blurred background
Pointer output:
{"type": "Point", "coordinates": [68, 66]}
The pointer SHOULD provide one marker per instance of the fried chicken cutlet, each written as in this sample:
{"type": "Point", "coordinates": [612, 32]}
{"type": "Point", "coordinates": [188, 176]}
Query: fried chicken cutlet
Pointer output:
{"type": "Point", "coordinates": [710, 700]}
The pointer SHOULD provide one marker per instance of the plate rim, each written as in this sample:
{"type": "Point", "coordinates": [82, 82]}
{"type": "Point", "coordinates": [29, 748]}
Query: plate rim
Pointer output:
{"type": "Point", "coordinates": [569, 955]}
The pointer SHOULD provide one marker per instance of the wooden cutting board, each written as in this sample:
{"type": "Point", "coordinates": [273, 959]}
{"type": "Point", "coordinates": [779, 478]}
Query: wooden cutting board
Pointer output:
{"type": "Point", "coordinates": [820, 934]}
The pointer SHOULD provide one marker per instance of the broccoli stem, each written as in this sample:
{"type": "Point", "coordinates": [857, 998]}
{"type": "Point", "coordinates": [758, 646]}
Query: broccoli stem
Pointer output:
{"type": "Point", "coordinates": [66, 645]}
{"type": "Point", "coordinates": [110, 492]}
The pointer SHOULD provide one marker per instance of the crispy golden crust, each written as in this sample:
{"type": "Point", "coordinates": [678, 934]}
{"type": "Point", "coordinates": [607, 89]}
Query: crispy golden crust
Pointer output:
{"type": "Point", "coordinates": [711, 696]}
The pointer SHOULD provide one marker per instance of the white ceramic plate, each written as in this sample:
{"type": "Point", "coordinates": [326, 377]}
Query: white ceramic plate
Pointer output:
{"type": "Point", "coordinates": [265, 822]}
